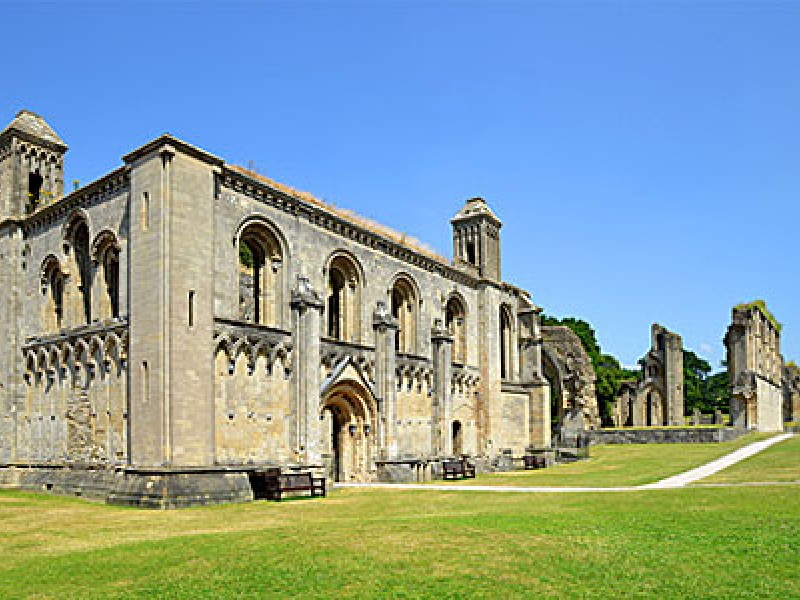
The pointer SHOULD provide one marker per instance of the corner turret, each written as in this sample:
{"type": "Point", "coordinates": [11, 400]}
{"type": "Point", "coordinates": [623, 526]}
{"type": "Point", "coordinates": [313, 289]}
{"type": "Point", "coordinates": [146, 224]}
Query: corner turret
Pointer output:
{"type": "Point", "coordinates": [476, 239]}
{"type": "Point", "coordinates": [31, 165]}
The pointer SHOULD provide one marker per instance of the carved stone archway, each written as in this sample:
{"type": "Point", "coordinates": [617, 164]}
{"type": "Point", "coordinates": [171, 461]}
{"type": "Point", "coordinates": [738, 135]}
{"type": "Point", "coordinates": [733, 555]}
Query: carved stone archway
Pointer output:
{"type": "Point", "coordinates": [350, 425]}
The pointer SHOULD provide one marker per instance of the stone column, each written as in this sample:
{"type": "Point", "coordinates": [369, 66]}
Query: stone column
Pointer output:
{"type": "Point", "coordinates": [306, 308]}
{"type": "Point", "coordinates": [385, 327]}
{"type": "Point", "coordinates": [441, 400]}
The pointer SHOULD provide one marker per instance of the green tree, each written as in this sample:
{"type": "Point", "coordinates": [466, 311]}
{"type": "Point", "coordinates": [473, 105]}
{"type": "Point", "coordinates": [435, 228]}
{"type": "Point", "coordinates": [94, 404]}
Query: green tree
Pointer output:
{"type": "Point", "coordinates": [717, 393]}
{"type": "Point", "coordinates": [695, 375]}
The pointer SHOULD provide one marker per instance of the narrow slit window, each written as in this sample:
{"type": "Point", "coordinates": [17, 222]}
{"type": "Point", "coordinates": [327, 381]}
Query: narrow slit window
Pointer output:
{"type": "Point", "coordinates": [145, 382]}
{"type": "Point", "coordinates": [145, 211]}
{"type": "Point", "coordinates": [191, 308]}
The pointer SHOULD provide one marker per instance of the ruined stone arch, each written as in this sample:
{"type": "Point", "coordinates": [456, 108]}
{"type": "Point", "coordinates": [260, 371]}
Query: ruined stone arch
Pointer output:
{"type": "Point", "coordinates": [455, 320]}
{"type": "Point", "coordinates": [262, 258]}
{"type": "Point", "coordinates": [405, 304]}
{"type": "Point", "coordinates": [649, 406]}
{"type": "Point", "coordinates": [344, 277]}
{"type": "Point", "coordinates": [553, 371]}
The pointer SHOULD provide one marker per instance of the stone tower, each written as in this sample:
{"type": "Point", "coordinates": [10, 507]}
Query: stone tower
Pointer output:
{"type": "Point", "coordinates": [31, 165]}
{"type": "Point", "coordinates": [476, 239]}
{"type": "Point", "coordinates": [755, 366]}
{"type": "Point", "coordinates": [668, 346]}
{"type": "Point", "coordinates": [31, 174]}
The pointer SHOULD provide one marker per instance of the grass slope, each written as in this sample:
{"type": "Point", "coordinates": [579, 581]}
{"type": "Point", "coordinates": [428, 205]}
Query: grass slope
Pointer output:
{"type": "Point", "coordinates": [709, 542]}
{"type": "Point", "coordinates": [778, 463]}
{"type": "Point", "coordinates": [619, 465]}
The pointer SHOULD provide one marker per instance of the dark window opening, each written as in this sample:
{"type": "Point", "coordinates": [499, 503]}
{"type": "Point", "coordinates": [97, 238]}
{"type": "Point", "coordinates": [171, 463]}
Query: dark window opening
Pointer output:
{"type": "Point", "coordinates": [191, 308]}
{"type": "Point", "coordinates": [34, 188]}
{"type": "Point", "coordinates": [397, 305]}
{"type": "Point", "coordinates": [471, 256]}
{"type": "Point", "coordinates": [83, 259]}
{"type": "Point", "coordinates": [111, 268]}
{"type": "Point", "coordinates": [336, 284]}
{"type": "Point", "coordinates": [458, 439]}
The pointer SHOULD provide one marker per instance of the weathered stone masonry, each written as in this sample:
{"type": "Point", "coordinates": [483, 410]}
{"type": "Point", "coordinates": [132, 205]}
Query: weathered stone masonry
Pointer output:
{"type": "Point", "coordinates": [181, 313]}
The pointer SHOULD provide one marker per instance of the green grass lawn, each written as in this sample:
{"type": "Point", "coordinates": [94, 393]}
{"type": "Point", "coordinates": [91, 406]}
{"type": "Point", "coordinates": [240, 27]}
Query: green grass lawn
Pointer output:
{"type": "Point", "coordinates": [777, 463]}
{"type": "Point", "coordinates": [687, 543]}
{"type": "Point", "coordinates": [615, 465]}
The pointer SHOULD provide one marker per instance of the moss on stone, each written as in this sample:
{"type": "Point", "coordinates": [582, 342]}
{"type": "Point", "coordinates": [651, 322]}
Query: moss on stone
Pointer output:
{"type": "Point", "coordinates": [762, 306]}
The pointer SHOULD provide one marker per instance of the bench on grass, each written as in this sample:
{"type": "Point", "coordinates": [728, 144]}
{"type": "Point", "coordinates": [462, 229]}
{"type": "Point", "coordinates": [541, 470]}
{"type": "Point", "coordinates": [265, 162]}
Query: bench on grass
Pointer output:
{"type": "Point", "coordinates": [454, 469]}
{"type": "Point", "coordinates": [534, 461]}
{"type": "Point", "coordinates": [276, 484]}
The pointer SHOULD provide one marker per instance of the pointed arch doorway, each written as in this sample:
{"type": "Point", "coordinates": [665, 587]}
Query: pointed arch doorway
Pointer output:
{"type": "Point", "coordinates": [349, 431]}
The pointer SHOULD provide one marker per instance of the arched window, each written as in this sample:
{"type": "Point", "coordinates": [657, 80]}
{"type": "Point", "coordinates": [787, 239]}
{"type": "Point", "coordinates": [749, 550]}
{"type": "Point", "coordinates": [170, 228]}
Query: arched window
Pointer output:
{"type": "Point", "coordinates": [111, 276]}
{"type": "Point", "coordinates": [405, 307]}
{"type": "Point", "coordinates": [343, 303]}
{"type": "Point", "coordinates": [53, 290]}
{"type": "Point", "coordinates": [105, 251]}
{"type": "Point", "coordinates": [506, 350]}
{"type": "Point", "coordinates": [260, 276]}
{"type": "Point", "coordinates": [455, 321]}
{"type": "Point", "coordinates": [77, 238]}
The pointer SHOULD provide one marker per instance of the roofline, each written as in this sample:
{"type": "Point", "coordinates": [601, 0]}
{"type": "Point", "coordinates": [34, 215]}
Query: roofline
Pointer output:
{"type": "Point", "coordinates": [169, 142]}
{"type": "Point", "coordinates": [12, 131]}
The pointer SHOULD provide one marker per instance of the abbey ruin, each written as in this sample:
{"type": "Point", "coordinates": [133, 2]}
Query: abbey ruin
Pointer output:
{"type": "Point", "coordinates": [184, 313]}
{"type": "Point", "coordinates": [657, 397]}
{"type": "Point", "coordinates": [181, 321]}
{"type": "Point", "coordinates": [755, 366]}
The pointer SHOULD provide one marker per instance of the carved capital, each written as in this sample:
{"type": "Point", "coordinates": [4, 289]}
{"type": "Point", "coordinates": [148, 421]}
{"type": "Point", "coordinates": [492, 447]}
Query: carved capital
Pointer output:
{"type": "Point", "coordinates": [304, 295]}
{"type": "Point", "coordinates": [382, 318]}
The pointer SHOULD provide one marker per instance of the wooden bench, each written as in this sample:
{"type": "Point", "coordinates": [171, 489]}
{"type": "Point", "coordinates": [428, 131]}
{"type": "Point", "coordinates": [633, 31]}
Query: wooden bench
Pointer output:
{"type": "Point", "coordinates": [534, 461]}
{"type": "Point", "coordinates": [454, 469]}
{"type": "Point", "coordinates": [276, 484]}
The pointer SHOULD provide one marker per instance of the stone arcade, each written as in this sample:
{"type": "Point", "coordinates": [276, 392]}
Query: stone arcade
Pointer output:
{"type": "Point", "coordinates": [180, 321]}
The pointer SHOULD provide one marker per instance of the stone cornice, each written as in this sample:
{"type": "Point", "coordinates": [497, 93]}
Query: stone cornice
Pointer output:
{"type": "Point", "coordinates": [93, 193]}
{"type": "Point", "coordinates": [321, 217]}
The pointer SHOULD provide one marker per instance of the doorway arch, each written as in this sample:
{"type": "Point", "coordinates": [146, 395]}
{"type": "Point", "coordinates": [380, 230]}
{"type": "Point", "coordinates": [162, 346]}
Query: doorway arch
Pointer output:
{"type": "Point", "coordinates": [350, 431]}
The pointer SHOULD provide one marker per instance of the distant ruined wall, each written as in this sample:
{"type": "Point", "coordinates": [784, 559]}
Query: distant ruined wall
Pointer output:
{"type": "Point", "coordinates": [572, 374]}
{"type": "Point", "coordinates": [791, 393]}
{"type": "Point", "coordinates": [657, 399]}
{"type": "Point", "coordinates": [755, 368]}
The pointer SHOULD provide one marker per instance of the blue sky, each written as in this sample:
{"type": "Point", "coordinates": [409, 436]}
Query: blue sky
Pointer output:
{"type": "Point", "coordinates": [644, 157]}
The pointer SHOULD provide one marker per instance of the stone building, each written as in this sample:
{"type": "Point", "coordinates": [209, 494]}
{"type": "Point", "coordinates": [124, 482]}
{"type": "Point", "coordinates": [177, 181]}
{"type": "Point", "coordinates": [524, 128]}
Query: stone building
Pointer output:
{"type": "Point", "coordinates": [181, 315]}
{"type": "Point", "coordinates": [755, 368]}
{"type": "Point", "coordinates": [791, 393]}
{"type": "Point", "coordinates": [657, 398]}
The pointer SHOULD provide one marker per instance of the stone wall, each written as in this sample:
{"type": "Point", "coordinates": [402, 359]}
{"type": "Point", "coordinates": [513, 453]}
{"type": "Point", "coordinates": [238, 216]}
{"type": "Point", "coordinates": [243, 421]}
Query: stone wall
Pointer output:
{"type": "Point", "coordinates": [652, 435]}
